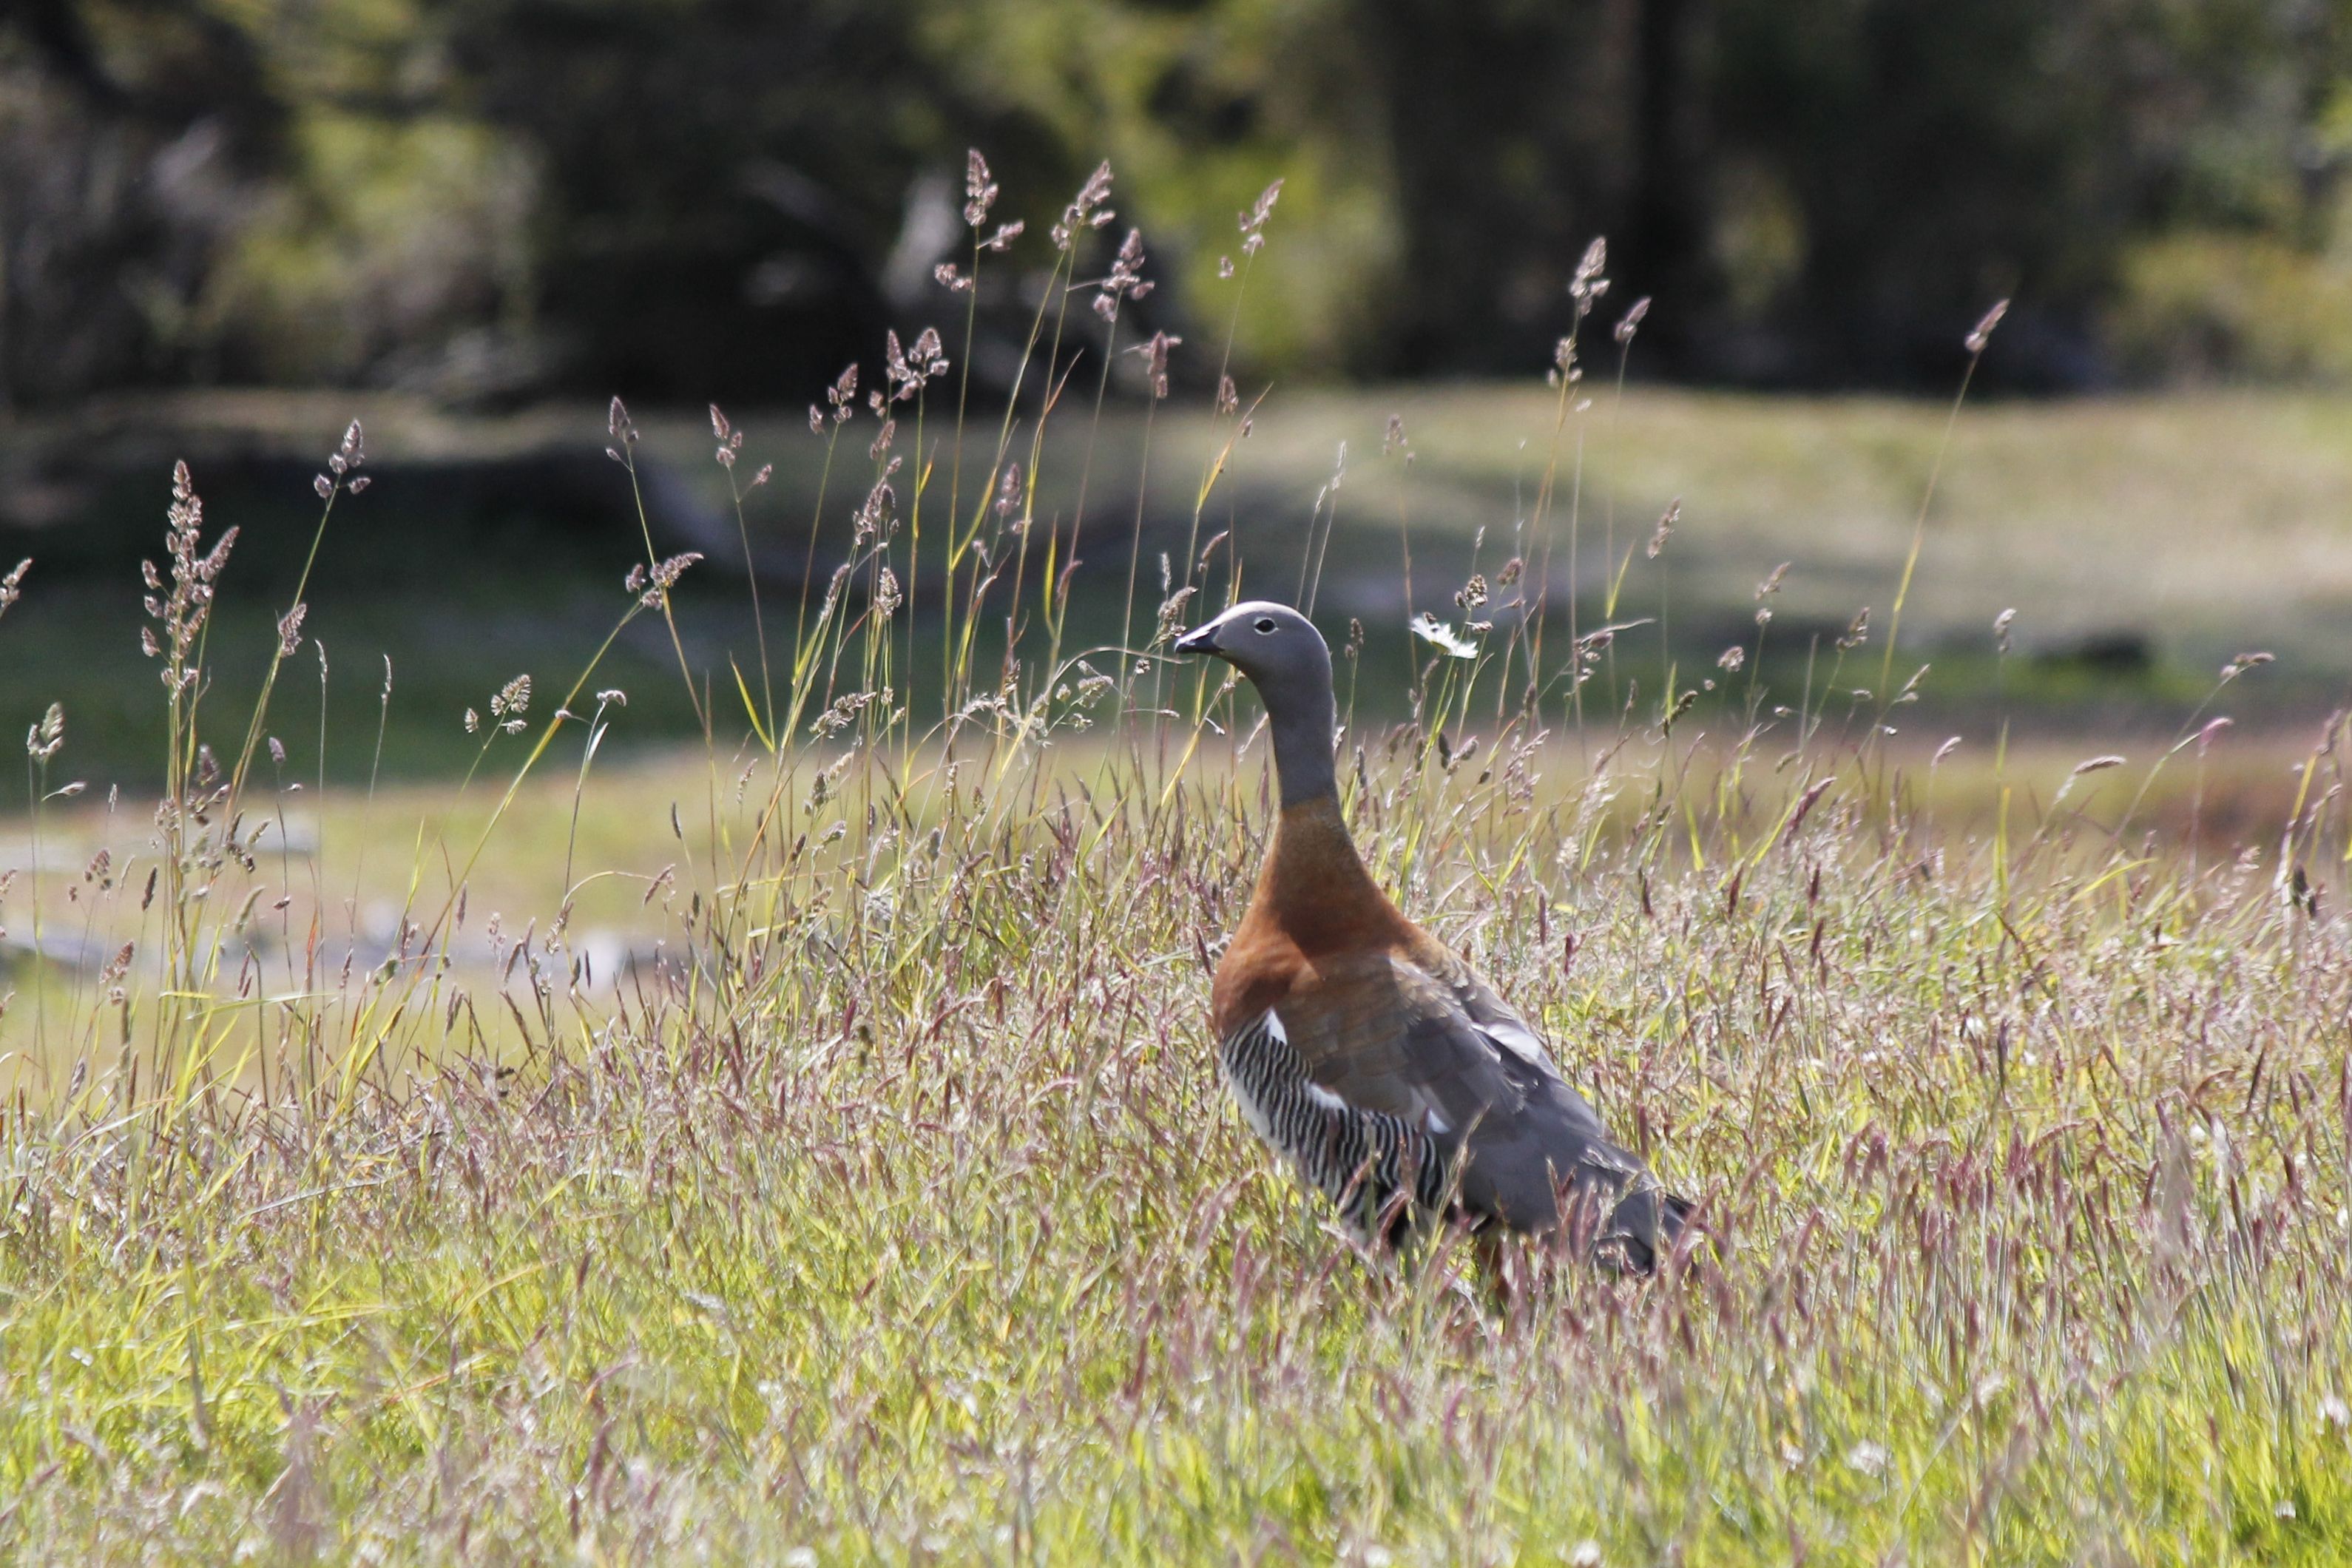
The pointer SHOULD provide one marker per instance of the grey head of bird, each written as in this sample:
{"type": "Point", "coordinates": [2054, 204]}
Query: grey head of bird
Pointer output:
{"type": "Point", "coordinates": [1286, 660]}
{"type": "Point", "coordinates": [1278, 649]}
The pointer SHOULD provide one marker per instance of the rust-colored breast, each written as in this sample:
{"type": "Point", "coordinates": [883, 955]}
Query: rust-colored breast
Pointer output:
{"type": "Point", "coordinates": [1260, 968]}
{"type": "Point", "coordinates": [1314, 902]}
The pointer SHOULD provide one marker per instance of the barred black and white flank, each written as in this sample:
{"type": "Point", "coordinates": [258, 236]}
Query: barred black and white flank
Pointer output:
{"type": "Point", "coordinates": [1363, 1161]}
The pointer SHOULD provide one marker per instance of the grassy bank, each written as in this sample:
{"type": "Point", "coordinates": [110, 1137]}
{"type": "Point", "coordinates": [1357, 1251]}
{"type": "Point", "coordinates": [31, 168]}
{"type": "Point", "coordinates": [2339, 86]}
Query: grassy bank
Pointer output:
{"type": "Point", "coordinates": [908, 1221]}
{"type": "Point", "coordinates": [2142, 541]}
{"type": "Point", "coordinates": [807, 1151]}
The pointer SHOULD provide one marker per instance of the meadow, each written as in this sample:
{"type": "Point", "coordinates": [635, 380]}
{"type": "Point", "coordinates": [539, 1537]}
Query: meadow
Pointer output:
{"type": "Point", "coordinates": [2175, 530]}
{"type": "Point", "coordinates": [805, 1147]}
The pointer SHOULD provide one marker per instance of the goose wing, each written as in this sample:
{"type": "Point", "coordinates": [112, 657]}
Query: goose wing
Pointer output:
{"type": "Point", "coordinates": [1434, 1048]}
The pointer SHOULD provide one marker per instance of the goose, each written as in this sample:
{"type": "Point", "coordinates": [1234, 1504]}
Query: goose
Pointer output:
{"type": "Point", "coordinates": [1369, 1056]}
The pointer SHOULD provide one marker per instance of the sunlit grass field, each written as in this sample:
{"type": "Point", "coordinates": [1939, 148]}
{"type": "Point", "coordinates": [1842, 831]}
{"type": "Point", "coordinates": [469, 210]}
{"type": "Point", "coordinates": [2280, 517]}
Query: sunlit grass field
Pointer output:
{"type": "Point", "coordinates": [906, 1219]}
{"type": "Point", "coordinates": [804, 1146]}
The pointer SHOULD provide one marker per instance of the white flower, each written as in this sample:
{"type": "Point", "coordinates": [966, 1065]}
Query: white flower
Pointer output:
{"type": "Point", "coordinates": [1430, 629]}
{"type": "Point", "coordinates": [2283, 1508]}
{"type": "Point", "coordinates": [1866, 1458]}
{"type": "Point", "coordinates": [2334, 1411]}
{"type": "Point", "coordinates": [1586, 1555]}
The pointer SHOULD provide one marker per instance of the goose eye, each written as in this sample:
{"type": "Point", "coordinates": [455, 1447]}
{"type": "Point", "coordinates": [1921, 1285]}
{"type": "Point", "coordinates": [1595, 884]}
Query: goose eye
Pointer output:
{"type": "Point", "coordinates": [1266, 623]}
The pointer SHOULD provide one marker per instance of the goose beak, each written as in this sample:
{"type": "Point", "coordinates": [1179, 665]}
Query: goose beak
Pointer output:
{"type": "Point", "coordinates": [1199, 639]}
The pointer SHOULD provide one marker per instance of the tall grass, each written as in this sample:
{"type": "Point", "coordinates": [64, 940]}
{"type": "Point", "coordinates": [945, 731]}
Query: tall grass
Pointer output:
{"type": "Point", "coordinates": [890, 1210]}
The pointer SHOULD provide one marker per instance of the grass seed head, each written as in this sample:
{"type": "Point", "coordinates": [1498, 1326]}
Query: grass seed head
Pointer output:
{"type": "Point", "coordinates": [979, 189]}
{"type": "Point", "coordinates": [1253, 222]}
{"type": "Point", "coordinates": [1982, 333]}
{"type": "Point", "coordinates": [1631, 321]}
{"type": "Point", "coordinates": [1665, 529]}
{"type": "Point", "coordinates": [1086, 210]}
{"type": "Point", "coordinates": [46, 734]}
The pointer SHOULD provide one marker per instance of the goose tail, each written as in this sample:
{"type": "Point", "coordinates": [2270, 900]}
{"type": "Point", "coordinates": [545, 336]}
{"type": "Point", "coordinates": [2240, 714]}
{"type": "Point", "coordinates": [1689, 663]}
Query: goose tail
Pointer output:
{"type": "Point", "coordinates": [1643, 1229]}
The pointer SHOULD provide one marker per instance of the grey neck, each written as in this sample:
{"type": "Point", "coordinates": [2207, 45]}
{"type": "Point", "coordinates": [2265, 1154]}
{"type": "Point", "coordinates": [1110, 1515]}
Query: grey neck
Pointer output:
{"type": "Point", "coordinates": [1305, 725]}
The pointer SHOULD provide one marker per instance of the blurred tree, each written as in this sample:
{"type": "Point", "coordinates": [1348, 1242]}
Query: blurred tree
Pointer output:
{"type": "Point", "coordinates": [732, 198]}
{"type": "Point", "coordinates": [132, 135]}
{"type": "Point", "coordinates": [723, 179]}
{"type": "Point", "coordinates": [1199, 105]}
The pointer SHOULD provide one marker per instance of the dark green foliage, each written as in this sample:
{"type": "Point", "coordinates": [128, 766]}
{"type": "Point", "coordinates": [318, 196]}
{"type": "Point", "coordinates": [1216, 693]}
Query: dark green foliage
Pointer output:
{"type": "Point", "coordinates": [486, 198]}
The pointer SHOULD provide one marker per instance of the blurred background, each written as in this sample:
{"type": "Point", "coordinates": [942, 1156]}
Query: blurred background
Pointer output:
{"type": "Point", "coordinates": [497, 199]}
{"type": "Point", "coordinates": [228, 225]}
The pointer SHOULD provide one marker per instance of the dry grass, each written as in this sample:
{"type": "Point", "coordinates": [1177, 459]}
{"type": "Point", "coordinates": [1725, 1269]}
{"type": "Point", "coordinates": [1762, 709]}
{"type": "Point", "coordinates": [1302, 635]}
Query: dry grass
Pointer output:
{"type": "Point", "coordinates": [925, 1231]}
{"type": "Point", "coordinates": [893, 1211]}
